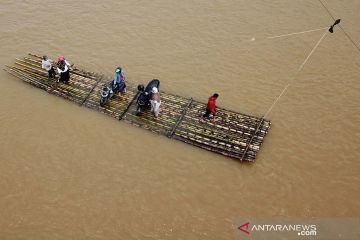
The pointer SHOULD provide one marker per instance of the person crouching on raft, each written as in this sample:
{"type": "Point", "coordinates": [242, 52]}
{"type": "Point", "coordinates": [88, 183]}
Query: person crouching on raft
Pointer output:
{"type": "Point", "coordinates": [118, 83]}
{"type": "Point", "coordinates": [211, 106]}
{"type": "Point", "coordinates": [46, 64]}
{"type": "Point", "coordinates": [63, 69]}
{"type": "Point", "coordinates": [155, 101]}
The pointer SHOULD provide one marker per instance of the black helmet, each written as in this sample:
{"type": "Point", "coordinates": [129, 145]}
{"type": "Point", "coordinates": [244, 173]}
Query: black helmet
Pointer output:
{"type": "Point", "coordinates": [140, 87]}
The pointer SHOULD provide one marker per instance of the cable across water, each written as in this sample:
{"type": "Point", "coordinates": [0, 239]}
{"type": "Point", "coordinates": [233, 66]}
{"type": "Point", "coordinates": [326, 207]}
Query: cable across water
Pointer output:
{"type": "Point", "coordinates": [299, 70]}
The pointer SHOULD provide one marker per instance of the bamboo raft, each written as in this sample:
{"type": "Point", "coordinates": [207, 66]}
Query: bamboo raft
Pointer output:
{"type": "Point", "coordinates": [232, 134]}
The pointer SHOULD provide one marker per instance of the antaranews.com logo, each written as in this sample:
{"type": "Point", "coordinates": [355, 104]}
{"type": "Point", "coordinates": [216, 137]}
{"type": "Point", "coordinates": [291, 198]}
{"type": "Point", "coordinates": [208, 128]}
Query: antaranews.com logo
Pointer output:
{"type": "Point", "coordinates": [297, 229]}
{"type": "Point", "coordinates": [300, 229]}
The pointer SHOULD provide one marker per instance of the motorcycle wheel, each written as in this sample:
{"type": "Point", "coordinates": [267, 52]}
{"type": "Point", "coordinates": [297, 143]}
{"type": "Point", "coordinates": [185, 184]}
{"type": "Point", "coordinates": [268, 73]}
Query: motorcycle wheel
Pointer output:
{"type": "Point", "coordinates": [138, 111]}
{"type": "Point", "coordinates": [102, 102]}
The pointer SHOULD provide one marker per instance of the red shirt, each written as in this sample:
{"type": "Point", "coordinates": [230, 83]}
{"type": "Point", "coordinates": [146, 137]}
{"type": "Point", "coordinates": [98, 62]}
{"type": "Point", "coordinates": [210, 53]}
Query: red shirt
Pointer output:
{"type": "Point", "coordinates": [211, 106]}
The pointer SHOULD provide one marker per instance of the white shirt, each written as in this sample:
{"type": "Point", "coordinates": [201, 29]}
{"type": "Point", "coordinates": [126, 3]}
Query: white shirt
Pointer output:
{"type": "Point", "coordinates": [46, 64]}
{"type": "Point", "coordinates": [65, 69]}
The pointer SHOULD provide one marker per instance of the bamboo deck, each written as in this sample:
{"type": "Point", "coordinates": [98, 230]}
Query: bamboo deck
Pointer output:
{"type": "Point", "coordinates": [232, 134]}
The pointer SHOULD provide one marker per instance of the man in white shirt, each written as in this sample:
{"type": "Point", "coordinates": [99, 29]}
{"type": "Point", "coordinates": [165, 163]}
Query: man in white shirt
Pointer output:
{"type": "Point", "coordinates": [47, 65]}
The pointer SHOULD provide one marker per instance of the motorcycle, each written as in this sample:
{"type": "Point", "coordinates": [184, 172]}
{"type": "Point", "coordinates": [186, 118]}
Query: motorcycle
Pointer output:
{"type": "Point", "coordinates": [109, 90]}
{"type": "Point", "coordinates": [143, 100]}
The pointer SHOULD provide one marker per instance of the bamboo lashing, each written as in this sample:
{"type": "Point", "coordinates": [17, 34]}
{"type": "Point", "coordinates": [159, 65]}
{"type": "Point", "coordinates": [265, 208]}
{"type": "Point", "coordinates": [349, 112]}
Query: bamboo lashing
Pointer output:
{"type": "Point", "coordinates": [231, 134]}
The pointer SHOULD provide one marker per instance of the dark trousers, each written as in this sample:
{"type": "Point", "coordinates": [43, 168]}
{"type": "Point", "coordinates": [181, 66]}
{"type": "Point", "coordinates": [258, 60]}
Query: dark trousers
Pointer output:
{"type": "Point", "coordinates": [51, 73]}
{"type": "Point", "coordinates": [65, 76]}
{"type": "Point", "coordinates": [207, 113]}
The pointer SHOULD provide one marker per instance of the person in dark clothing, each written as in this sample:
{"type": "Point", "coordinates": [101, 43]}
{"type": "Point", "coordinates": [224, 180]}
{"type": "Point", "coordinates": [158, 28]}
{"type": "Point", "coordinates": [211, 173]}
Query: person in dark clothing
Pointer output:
{"type": "Point", "coordinates": [118, 83]}
{"type": "Point", "coordinates": [63, 70]}
{"type": "Point", "coordinates": [211, 106]}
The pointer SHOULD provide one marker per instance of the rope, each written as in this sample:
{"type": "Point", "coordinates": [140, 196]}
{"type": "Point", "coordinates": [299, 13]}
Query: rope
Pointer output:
{"type": "Point", "coordinates": [290, 34]}
{"type": "Point", "coordinates": [307, 58]}
{"type": "Point", "coordinates": [346, 34]}
{"type": "Point", "coordinates": [299, 70]}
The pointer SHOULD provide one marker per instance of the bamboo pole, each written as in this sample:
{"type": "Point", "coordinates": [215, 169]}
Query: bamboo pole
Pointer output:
{"type": "Point", "coordinates": [129, 105]}
{"type": "Point", "coordinates": [232, 134]}
{"type": "Point", "coordinates": [171, 133]}
{"type": "Point", "coordinates": [26, 79]}
{"type": "Point", "coordinates": [92, 89]}
{"type": "Point", "coordinates": [248, 144]}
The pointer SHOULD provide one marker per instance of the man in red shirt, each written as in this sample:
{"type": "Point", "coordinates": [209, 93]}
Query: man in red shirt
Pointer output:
{"type": "Point", "coordinates": [211, 106]}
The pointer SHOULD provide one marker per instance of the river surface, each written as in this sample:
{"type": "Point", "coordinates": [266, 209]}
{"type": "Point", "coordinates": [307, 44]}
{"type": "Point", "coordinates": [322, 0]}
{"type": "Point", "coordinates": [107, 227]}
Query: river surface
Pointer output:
{"type": "Point", "coordinates": [68, 172]}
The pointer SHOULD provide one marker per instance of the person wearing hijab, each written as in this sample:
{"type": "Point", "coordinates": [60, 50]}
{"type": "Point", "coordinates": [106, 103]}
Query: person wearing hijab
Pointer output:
{"type": "Point", "coordinates": [155, 101]}
{"type": "Point", "coordinates": [119, 80]}
{"type": "Point", "coordinates": [63, 69]}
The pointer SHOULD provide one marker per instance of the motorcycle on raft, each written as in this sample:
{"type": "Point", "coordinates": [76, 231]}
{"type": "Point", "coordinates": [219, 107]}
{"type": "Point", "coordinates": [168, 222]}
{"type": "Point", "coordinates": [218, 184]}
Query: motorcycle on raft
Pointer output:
{"type": "Point", "coordinates": [143, 100]}
{"type": "Point", "coordinates": [109, 90]}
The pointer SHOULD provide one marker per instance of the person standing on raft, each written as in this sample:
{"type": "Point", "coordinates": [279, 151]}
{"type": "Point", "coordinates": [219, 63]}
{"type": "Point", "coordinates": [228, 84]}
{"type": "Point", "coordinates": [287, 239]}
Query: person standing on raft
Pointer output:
{"type": "Point", "coordinates": [118, 84]}
{"type": "Point", "coordinates": [63, 69]}
{"type": "Point", "coordinates": [155, 101]}
{"type": "Point", "coordinates": [46, 64]}
{"type": "Point", "coordinates": [211, 106]}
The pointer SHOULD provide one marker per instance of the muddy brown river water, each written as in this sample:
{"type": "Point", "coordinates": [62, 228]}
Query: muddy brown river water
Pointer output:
{"type": "Point", "coordinates": [71, 173]}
